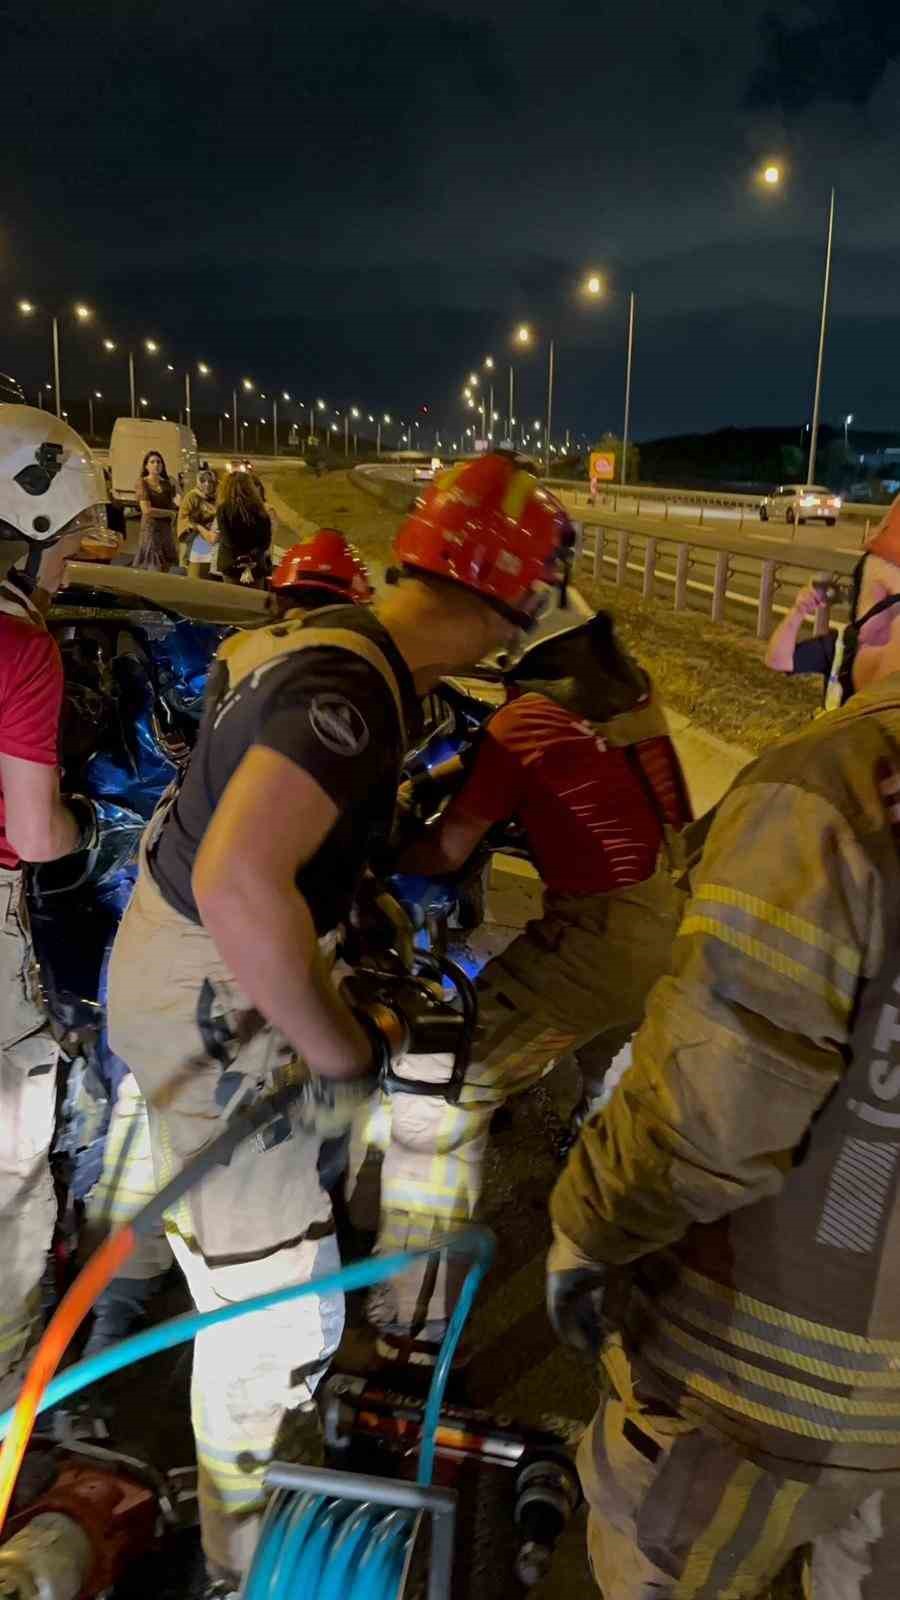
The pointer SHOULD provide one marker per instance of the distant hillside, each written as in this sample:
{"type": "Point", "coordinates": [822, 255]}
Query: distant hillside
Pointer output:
{"type": "Point", "coordinates": [755, 458]}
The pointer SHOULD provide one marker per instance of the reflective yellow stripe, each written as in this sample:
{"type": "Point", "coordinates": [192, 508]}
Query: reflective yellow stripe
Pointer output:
{"type": "Point", "coordinates": [784, 965]}
{"type": "Point", "coordinates": [719, 1531]}
{"type": "Point", "coordinates": [521, 488]}
{"type": "Point", "coordinates": [446, 480]}
{"type": "Point", "coordinates": [843, 954]}
{"type": "Point", "coordinates": [763, 1560]}
{"type": "Point", "coordinates": [786, 1319]}
{"type": "Point", "coordinates": [854, 1377]}
{"type": "Point", "coordinates": [842, 1405]}
{"type": "Point", "coordinates": [719, 1395]}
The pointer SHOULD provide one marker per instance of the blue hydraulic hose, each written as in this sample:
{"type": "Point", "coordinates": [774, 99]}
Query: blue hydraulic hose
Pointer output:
{"type": "Point", "coordinates": [477, 1243]}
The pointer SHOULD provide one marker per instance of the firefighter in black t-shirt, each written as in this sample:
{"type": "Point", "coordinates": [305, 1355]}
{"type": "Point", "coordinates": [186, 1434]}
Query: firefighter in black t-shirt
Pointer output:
{"type": "Point", "coordinates": [220, 971]}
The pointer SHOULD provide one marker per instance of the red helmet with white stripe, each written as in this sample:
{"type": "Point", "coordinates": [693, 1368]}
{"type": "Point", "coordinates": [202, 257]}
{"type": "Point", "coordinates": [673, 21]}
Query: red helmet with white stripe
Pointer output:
{"type": "Point", "coordinates": [490, 526]}
{"type": "Point", "coordinates": [326, 561]}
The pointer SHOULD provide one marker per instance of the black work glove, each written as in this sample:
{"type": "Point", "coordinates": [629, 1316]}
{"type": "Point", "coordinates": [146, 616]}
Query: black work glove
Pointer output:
{"type": "Point", "coordinates": [85, 812]}
{"type": "Point", "coordinates": [575, 1301]}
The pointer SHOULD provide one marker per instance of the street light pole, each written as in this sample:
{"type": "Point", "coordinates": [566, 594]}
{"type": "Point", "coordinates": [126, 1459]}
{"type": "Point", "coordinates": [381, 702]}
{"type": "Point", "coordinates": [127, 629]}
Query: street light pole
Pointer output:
{"type": "Point", "coordinates": [274, 426]}
{"type": "Point", "coordinates": [817, 398]}
{"type": "Point", "coordinates": [131, 382]}
{"type": "Point", "coordinates": [623, 475]}
{"type": "Point", "coordinates": [56, 379]}
{"type": "Point", "coordinates": [90, 416]}
{"type": "Point", "coordinates": [187, 398]}
{"type": "Point", "coordinates": [235, 416]}
{"type": "Point", "coordinates": [378, 440]}
{"type": "Point", "coordinates": [346, 433]}
{"type": "Point", "coordinates": [512, 409]}
{"type": "Point", "coordinates": [551, 361]}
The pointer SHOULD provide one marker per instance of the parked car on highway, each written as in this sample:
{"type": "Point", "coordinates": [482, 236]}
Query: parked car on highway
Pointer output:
{"type": "Point", "coordinates": [801, 502]}
{"type": "Point", "coordinates": [132, 437]}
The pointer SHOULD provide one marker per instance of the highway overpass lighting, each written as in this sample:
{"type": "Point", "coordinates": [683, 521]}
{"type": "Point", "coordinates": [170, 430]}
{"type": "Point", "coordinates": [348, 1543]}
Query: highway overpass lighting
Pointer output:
{"type": "Point", "coordinates": [83, 312]}
{"type": "Point", "coordinates": [151, 347]}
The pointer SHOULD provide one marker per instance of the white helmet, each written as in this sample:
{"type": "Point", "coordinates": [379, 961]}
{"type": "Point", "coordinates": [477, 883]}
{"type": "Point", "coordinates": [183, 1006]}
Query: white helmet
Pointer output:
{"type": "Point", "coordinates": [47, 478]}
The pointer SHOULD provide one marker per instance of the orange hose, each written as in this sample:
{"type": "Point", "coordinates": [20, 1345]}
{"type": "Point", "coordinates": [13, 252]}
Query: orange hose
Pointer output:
{"type": "Point", "coordinates": [61, 1329]}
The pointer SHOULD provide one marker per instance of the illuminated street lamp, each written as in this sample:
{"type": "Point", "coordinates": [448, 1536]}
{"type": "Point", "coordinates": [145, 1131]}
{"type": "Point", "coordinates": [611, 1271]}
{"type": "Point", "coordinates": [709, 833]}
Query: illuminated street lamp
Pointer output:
{"type": "Point", "coordinates": [144, 402]}
{"type": "Point", "coordinates": [488, 363]}
{"type": "Point", "coordinates": [593, 284]}
{"type": "Point", "coordinates": [151, 347]}
{"type": "Point", "coordinates": [83, 313]}
{"type": "Point", "coordinates": [771, 176]}
{"type": "Point", "coordinates": [91, 398]}
{"type": "Point", "coordinates": [847, 421]}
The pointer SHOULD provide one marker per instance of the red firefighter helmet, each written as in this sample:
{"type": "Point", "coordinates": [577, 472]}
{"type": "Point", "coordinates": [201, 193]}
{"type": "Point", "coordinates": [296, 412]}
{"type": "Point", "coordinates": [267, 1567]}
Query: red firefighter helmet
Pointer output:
{"type": "Point", "coordinates": [326, 561]}
{"type": "Point", "coordinates": [488, 525]}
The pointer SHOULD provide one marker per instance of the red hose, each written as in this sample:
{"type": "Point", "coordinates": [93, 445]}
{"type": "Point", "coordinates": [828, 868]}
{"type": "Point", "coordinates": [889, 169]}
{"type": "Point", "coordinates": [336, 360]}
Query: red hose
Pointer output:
{"type": "Point", "coordinates": [58, 1335]}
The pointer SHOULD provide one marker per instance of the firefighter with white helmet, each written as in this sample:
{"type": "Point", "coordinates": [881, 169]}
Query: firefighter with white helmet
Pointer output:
{"type": "Point", "coordinates": [51, 495]}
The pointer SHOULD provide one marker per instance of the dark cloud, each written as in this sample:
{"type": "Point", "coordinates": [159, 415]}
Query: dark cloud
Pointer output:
{"type": "Point", "coordinates": [363, 200]}
{"type": "Point", "coordinates": [836, 52]}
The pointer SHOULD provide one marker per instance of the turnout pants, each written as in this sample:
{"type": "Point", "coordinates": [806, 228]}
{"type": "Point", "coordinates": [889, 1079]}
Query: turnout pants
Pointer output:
{"type": "Point", "coordinates": [576, 979]}
{"type": "Point", "coordinates": [677, 1511]}
{"type": "Point", "coordinates": [178, 1019]}
{"type": "Point", "coordinates": [28, 1061]}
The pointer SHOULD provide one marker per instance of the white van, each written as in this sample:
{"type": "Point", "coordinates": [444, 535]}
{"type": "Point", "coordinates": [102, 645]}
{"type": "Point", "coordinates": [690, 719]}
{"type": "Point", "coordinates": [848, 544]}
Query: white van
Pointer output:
{"type": "Point", "coordinates": [132, 437]}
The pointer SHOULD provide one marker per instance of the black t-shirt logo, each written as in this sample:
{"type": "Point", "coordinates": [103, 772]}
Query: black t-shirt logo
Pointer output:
{"type": "Point", "coordinates": [338, 725]}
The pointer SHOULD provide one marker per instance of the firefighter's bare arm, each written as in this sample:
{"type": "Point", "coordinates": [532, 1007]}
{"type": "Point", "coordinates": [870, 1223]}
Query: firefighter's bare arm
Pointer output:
{"type": "Point", "coordinates": [39, 825]}
{"type": "Point", "coordinates": [446, 845]}
{"type": "Point", "coordinates": [742, 1043]}
{"type": "Point", "coordinates": [271, 820]}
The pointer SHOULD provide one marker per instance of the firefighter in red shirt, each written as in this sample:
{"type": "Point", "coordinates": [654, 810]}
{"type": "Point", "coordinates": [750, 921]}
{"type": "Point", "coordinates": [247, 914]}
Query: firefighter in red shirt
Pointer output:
{"type": "Point", "coordinates": [51, 494]}
{"type": "Point", "coordinates": [582, 757]}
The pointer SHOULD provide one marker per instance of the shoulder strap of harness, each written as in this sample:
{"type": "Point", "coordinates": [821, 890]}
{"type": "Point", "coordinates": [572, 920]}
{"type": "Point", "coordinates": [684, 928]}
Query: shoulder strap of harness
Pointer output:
{"type": "Point", "coordinates": [256, 648]}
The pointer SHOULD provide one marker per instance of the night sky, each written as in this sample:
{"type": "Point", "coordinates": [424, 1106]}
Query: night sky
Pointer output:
{"type": "Point", "coordinates": [360, 201]}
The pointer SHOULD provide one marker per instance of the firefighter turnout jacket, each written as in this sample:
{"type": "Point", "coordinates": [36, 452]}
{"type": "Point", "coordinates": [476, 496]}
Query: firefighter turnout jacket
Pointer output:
{"type": "Point", "coordinates": [746, 1168]}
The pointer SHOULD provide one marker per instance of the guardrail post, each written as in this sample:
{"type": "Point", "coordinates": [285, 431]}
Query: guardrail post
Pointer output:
{"type": "Point", "coordinates": [741, 520]}
{"type": "Point", "coordinates": [622, 558]}
{"type": "Point", "coordinates": [666, 512]}
{"type": "Point", "coordinates": [702, 509]}
{"type": "Point", "coordinates": [682, 562]}
{"type": "Point", "coordinates": [649, 569]}
{"type": "Point", "coordinates": [598, 554]}
{"type": "Point", "coordinates": [766, 596]}
{"type": "Point", "coordinates": [720, 584]}
{"type": "Point", "coordinates": [579, 541]}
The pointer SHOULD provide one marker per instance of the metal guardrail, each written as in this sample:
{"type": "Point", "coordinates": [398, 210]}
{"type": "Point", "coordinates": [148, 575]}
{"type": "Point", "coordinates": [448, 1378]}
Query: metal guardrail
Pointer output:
{"type": "Point", "coordinates": [616, 546]}
{"type": "Point", "coordinates": [657, 494]}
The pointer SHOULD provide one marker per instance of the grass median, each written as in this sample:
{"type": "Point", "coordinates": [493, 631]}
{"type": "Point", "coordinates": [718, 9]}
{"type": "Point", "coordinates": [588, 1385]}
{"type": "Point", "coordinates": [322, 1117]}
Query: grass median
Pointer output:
{"type": "Point", "coordinates": [712, 672]}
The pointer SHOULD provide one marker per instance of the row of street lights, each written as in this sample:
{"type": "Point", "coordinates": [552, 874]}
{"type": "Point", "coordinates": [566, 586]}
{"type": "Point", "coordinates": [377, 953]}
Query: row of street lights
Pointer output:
{"type": "Point", "coordinates": [246, 387]}
{"type": "Point", "coordinates": [523, 338]}
{"type": "Point", "coordinates": [771, 175]}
